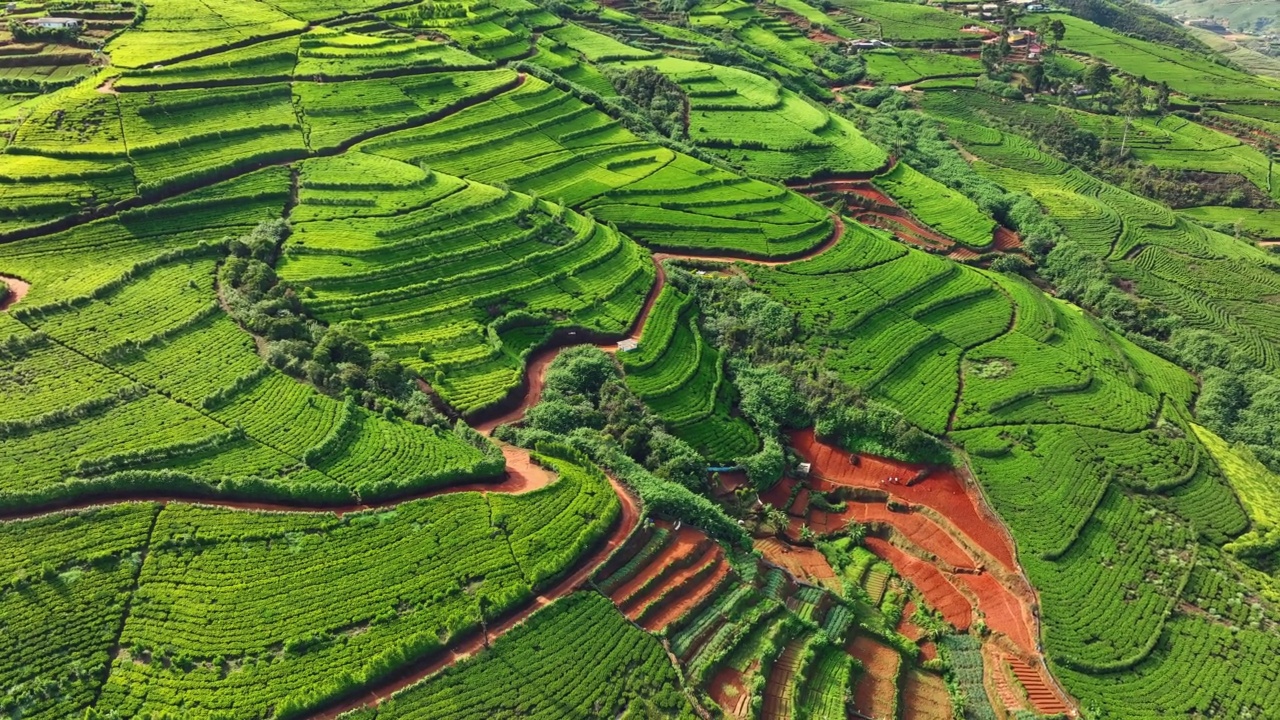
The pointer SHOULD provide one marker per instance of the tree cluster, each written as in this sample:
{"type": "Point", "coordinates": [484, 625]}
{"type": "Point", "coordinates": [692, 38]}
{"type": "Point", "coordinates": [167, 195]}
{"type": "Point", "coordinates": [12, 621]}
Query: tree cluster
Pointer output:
{"type": "Point", "coordinates": [660, 99]}
{"type": "Point", "coordinates": [333, 358]}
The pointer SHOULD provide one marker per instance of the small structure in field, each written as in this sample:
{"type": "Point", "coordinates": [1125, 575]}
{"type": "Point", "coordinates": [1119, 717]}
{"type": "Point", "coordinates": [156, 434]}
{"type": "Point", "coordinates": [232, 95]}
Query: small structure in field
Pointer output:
{"type": "Point", "coordinates": [628, 345]}
{"type": "Point", "coordinates": [803, 469]}
{"type": "Point", "coordinates": [55, 23]}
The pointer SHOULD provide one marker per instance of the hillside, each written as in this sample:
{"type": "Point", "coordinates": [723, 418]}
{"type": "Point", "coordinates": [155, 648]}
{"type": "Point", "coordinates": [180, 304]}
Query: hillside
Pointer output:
{"type": "Point", "coordinates": [616, 358]}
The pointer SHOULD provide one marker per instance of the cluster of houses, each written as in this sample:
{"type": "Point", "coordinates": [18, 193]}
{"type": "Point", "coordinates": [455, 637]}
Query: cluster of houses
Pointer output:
{"type": "Point", "coordinates": [992, 11]}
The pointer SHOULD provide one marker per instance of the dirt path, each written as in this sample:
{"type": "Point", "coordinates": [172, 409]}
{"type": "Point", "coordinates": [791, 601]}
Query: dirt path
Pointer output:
{"type": "Point", "coordinates": [535, 370]}
{"type": "Point", "coordinates": [522, 476]}
{"type": "Point", "coordinates": [475, 643]}
{"type": "Point", "coordinates": [18, 289]}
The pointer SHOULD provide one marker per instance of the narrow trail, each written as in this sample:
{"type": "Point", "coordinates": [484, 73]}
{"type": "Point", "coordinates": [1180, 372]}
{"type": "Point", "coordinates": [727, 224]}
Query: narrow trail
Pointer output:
{"type": "Point", "coordinates": [18, 289]}
{"type": "Point", "coordinates": [529, 392]}
{"type": "Point", "coordinates": [475, 643]}
{"type": "Point", "coordinates": [522, 476]}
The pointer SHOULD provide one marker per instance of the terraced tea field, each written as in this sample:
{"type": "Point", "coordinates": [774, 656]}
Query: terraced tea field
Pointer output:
{"type": "Point", "coordinates": [505, 358]}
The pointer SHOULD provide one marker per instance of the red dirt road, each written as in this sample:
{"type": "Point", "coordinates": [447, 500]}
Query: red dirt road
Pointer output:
{"type": "Point", "coordinates": [18, 289]}
{"type": "Point", "coordinates": [523, 475]}
{"type": "Point", "coordinates": [473, 644]}
{"type": "Point", "coordinates": [535, 372]}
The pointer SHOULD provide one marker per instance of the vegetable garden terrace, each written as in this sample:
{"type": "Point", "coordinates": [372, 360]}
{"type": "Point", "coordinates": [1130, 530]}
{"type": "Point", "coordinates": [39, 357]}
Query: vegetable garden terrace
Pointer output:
{"type": "Point", "coordinates": [634, 359]}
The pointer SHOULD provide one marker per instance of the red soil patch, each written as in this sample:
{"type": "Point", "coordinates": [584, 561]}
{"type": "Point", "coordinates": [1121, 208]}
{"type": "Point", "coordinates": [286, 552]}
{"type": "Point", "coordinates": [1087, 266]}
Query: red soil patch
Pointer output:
{"type": "Point", "coordinates": [928, 650]}
{"type": "Point", "coordinates": [924, 697]}
{"type": "Point", "coordinates": [674, 609]}
{"type": "Point", "coordinates": [937, 591]}
{"type": "Point", "coordinates": [919, 529]}
{"type": "Point", "coordinates": [913, 632]}
{"type": "Point", "coordinates": [730, 481]}
{"type": "Point", "coordinates": [780, 494]}
{"type": "Point", "coordinates": [803, 563]}
{"type": "Point", "coordinates": [905, 626]}
{"type": "Point", "coordinates": [683, 544]}
{"type": "Point", "coordinates": [1004, 612]}
{"type": "Point", "coordinates": [823, 36]}
{"type": "Point", "coordinates": [1043, 697]}
{"type": "Point", "coordinates": [962, 254]}
{"type": "Point", "coordinates": [728, 689]}
{"type": "Point", "coordinates": [907, 230]}
{"type": "Point", "coordinates": [999, 681]}
{"type": "Point", "coordinates": [17, 290]}
{"type": "Point", "coordinates": [800, 506]}
{"type": "Point", "coordinates": [473, 644]}
{"type": "Point", "coordinates": [873, 696]}
{"type": "Point", "coordinates": [1006, 240]}
{"type": "Point", "coordinates": [942, 490]}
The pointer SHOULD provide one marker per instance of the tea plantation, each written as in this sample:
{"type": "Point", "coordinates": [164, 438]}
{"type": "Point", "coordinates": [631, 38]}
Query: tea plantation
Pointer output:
{"type": "Point", "coordinates": [503, 358]}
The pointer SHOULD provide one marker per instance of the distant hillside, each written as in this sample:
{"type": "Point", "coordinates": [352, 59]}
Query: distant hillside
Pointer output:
{"type": "Point", "coordinates": [1128, 16]}
{"type": "Point", "coordinates": [1251, 16]}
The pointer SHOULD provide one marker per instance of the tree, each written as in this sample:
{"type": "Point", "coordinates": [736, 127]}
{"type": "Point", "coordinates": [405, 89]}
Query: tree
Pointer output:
{"type": "Point", "coordinates": [1130, 105]}
{"type": "Point", "coordinates": [1162, 97]}
{"type": "Point", "coordinates": [856, 531]}
{"type": "Point", "coordinates": [1097, 78]}
{"type": "Point", "coordinates": [807, 535]}
{"type": "Point", "coordinates": [991, 57]}
{"type": "Point", "coordinates": [776, 518]}
{"type": "Point", "coordinates": [1035, 76]}
{"type": "Point", "coordinates": [1058, 30]}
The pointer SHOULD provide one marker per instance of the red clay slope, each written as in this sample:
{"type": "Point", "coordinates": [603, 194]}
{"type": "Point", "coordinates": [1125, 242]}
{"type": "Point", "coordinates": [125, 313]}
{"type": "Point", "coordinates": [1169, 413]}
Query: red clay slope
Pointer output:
{"type": "Point", "coordinates": [941, 490]}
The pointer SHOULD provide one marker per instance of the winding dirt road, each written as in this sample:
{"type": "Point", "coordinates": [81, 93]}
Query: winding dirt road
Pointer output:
{"type": "Point", "coordinates": [530, 390]}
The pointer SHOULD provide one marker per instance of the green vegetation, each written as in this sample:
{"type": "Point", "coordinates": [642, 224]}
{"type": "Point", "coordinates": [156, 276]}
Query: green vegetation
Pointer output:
{"type": "Point", "coordinates": [681, 377]}
{"type": "Point", "coordinates": [193, 641]}
{"type": "Point", "coordinates": [577, 658]}
{"type": "Point", "coordinates": [275, 255]}
{"type": "Point", "coordinates": [938, 206]}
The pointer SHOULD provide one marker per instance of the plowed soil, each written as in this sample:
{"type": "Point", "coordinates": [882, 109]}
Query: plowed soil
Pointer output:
{"type": "Point", "coordinates": [804, 563]}
{"type": "Point", "coordinates": [684, 542]}
{"type": "Point", "coordinates": [924, 697]}
{"type": "Point", "coordinates": [941, 490]}
{"type": "Point", "coordinates": [937, 591]}
{"type": "Point", "coordinates": [675, 609]}
{"type": "Point", "coordinates": [873, 695]}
